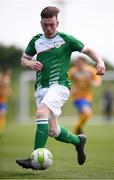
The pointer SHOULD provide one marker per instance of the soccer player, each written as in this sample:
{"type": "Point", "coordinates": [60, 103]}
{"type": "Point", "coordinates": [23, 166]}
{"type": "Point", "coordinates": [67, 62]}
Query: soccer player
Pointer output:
{"type": "Point", "coordinates": [5, 78]}
{"type": "Point", "coordinates": [53, 51]}
{"type": "Point", "coordinates": [108, 102]}
{"type": "Point", "coordinates": [83, 77]}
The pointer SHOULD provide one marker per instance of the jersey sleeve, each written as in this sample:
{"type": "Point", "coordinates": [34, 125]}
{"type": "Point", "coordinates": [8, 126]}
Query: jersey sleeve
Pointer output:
{"type": "Point", "coordinates": [30, 50]}
{"type": "Point", "coordinates": [75, 44]}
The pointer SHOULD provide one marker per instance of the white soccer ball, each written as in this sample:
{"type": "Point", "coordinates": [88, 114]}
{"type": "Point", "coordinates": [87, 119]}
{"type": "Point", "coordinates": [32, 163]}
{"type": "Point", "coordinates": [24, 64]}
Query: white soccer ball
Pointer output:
{"type": "Point", "coordinates": [41, 159]}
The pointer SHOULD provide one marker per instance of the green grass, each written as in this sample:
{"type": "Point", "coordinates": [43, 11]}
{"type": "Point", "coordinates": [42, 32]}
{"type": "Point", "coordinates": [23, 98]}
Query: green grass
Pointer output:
{"type": "Point", "coordinates": [17, 142]}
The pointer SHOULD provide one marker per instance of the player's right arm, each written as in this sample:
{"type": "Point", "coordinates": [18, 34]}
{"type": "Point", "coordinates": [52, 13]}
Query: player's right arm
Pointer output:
{"type": "Point", "coordinates": [27, 60]}
{"type": "Point", "coordinates": [35, 65]}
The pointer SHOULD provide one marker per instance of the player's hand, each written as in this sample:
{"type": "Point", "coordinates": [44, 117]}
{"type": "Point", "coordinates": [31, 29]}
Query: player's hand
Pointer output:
{"type": "Point", "coordinates": [101, 68]}
{"type": "Point", "coordinates": [36, 65]}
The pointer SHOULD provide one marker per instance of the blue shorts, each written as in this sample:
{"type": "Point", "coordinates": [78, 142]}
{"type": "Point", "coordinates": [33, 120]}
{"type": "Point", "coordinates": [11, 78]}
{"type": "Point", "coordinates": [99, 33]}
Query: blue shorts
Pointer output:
{"type": "Point", "coordinates": [80, 103]}
{"type": "Point", "coordinates": [3, 107]}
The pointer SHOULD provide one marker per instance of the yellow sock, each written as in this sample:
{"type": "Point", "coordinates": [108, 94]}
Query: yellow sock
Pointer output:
{"type": "Point", "coordinates": [82, 120]}
{"type": "Point", "coordinates": [2, 124]}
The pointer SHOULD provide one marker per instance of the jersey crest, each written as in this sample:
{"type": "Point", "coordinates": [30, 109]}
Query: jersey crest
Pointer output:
{"type": "Point", "coordinates": [57, 44]}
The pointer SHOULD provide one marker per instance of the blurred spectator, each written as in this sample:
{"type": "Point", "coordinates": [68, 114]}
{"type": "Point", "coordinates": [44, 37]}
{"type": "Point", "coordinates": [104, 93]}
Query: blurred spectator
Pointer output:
{"type": "Point", "coordinates": [5, 78]}
{"type": "Point", "coordinates": [107, 102]}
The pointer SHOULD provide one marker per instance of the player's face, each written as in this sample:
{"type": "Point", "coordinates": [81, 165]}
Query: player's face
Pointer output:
{"type": "Point", "coordinates": [49, 26]}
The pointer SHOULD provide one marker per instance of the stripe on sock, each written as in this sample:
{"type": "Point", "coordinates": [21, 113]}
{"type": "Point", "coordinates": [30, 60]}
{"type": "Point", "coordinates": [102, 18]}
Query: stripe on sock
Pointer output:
{"type": "Point", "coordinates": [41, 121]}
{"type": "Point", "coordinates": [58, 131]}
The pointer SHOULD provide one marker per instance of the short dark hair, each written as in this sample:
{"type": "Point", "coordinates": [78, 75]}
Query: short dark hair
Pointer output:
{"type": "Point", "coordinates": [49, 12]}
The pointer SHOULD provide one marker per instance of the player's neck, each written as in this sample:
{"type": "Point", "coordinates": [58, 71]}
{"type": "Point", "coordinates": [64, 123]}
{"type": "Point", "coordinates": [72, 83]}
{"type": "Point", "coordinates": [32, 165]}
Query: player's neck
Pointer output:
{"type": "Point", "coordinates": [51, 37]}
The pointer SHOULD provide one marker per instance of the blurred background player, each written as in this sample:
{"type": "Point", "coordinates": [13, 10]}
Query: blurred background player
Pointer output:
{"type": "Point", "coordinates": [107, 102]}
{"type": "Point", "coordinates": [5, 78]}
{"type": "Point", "coordinates": [83, 77]}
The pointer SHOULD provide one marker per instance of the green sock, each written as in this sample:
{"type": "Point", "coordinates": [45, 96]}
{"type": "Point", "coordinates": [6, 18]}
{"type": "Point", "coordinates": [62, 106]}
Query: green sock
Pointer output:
{"type": "Point", "coordinates": [42, 133]}
{"type": "Point", "coordinates": [67, 137]}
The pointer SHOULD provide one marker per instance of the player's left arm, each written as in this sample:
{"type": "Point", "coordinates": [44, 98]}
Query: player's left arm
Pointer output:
{"type": "Point", "coordinates": [96, 57]}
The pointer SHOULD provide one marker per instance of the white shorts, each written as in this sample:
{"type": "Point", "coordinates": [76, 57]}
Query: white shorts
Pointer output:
{"type": "Point", "coordinates": [54, 97]}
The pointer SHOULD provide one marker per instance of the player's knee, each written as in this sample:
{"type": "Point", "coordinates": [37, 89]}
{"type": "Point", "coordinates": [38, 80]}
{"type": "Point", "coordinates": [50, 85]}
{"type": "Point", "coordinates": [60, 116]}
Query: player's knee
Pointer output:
{"type": "Point", "coordinates": [40, 114]}
{"type": "Point", "coordinates": [87, 114]}
{"type": "Point", "coordinates": [53, 132]}
{"type": "Point", "coordinates": [43, 111]}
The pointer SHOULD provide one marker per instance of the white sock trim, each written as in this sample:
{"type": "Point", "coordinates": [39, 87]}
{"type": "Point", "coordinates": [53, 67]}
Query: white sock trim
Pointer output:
{"type": "Point", "coordinates": [58, 131]}
{"type": "Point", "coordinates": [41, 121]}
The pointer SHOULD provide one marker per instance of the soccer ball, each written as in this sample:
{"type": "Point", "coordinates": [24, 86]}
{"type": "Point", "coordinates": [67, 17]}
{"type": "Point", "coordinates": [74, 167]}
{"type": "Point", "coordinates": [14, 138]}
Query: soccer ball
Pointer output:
{"type": "Point", "coordinates": [41, 159]}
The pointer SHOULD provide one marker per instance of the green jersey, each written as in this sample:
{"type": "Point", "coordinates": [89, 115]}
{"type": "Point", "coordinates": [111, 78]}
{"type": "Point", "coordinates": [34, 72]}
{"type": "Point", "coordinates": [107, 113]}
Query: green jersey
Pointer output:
{"type": "Point", "coordinates": [55, 56]}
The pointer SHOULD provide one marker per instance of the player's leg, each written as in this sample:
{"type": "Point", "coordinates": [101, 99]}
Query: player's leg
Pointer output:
{"type": "Point", "coordinates": [3, 109]}
{"type": "Point", "coordinates": [42, 130]}
{"type": "Point", "coordinates": [62, 134]}
{"type": "Point", "coordinates": [60, 95]}
{"type": "Point", "coordinates": [2, 123]}
{"type": "Point", "coordinates": [85, 112]}
{"type": "Point", "coordinates": [42, 133]}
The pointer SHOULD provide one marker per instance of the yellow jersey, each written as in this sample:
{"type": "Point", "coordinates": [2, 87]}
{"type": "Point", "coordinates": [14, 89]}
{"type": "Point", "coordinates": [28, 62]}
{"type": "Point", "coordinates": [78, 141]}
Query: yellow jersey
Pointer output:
{"type": "Point", "coordinates": [82, 82]}
{"type": "Point", "coordinates": [4, 88]}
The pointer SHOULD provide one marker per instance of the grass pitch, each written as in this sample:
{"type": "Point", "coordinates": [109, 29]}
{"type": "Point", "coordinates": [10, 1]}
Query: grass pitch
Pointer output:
{"type": "Point", "coordinates": [17, 142]}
